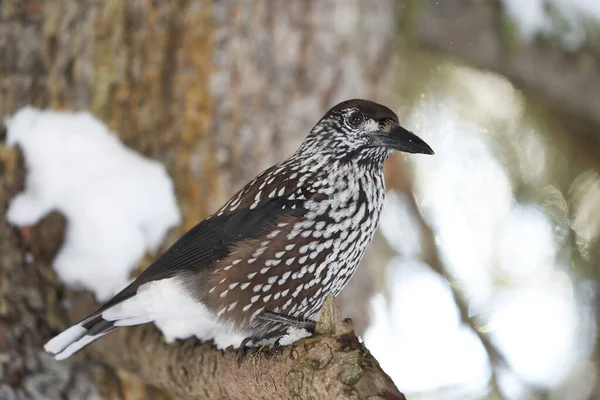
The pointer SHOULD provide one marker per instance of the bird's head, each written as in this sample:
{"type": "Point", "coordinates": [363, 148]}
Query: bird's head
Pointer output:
{"type": "Point", "coordinates": [361, 130]}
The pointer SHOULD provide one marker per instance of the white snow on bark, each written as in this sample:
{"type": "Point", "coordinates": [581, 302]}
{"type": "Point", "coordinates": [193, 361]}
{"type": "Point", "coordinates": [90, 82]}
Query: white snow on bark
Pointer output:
{"type": "Point", "coordinates": [118, 204]}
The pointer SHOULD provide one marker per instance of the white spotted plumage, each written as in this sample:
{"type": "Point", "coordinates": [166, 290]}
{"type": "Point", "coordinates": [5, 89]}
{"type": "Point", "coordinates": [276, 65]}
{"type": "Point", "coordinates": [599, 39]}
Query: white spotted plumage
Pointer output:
{"type": "Point", "coordinates": [340, 224]}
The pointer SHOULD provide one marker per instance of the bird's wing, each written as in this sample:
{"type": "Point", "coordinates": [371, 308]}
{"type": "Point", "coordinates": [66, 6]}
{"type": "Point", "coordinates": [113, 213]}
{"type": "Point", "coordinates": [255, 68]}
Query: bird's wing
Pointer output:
{"type": "Point", "coordinates": [264, 201]}
{"type": "Point", "coordinates": [214, 238]}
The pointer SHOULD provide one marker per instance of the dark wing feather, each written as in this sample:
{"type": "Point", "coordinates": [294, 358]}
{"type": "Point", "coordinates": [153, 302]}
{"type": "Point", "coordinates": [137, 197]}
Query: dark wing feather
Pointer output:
{"type": "Point", "coordinates": [211, 240]}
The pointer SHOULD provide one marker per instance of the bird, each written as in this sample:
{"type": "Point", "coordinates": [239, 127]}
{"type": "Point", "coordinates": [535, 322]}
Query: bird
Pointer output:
{"type": "Point", "coordinates": [268, 258]}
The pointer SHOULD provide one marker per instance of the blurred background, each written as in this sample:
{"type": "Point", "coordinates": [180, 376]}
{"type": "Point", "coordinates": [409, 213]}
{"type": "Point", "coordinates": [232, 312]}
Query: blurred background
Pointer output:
{"type": "Point", "coordinates": [482, 282]}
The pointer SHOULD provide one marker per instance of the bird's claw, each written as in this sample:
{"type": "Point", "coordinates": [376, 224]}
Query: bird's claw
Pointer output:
{"type": "Point", "coordinates": [243, 349]}
{"type": "Point", "coordinates": [276, 348]}
{"type": "Point", "coordinates": [273, 317]}
{"type": "Point", "coordinates": [241, 353]}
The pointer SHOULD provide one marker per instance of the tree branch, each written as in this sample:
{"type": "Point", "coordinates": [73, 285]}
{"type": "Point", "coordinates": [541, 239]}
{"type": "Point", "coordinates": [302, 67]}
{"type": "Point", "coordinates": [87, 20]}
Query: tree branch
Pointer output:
{"type": "Point", "coordinates": [335, 365]}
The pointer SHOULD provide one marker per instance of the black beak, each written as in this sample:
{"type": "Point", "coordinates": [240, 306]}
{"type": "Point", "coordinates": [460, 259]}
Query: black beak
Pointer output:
{"type": "Point", "coordinates": [398, 138]}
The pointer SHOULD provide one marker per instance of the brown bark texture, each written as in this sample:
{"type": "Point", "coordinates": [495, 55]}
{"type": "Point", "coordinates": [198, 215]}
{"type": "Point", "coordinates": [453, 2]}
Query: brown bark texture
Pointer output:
{"type": "Point", "coordinates": [331, 365]}
{"type": "Point", "coordinates": [217, 91]}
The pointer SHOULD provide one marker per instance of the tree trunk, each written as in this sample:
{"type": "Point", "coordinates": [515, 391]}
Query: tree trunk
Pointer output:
{"type": "Point", "coordinates": [216, 91]}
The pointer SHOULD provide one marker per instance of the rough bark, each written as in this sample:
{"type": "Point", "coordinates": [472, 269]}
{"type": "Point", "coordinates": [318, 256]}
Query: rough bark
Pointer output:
{"type": "Point", "coordinates": [480, 34]}
{"type": "Point", "coordinates": [331, 365]}
{"type": "Point", "coordinates": [216, 91]}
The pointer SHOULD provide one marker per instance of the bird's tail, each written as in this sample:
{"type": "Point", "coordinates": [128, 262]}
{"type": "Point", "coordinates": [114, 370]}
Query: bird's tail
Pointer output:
{"type": "Point", "coordinates": [148, 303]}
{"type": "Point", "coordinates": [78, 336]}
{"type": "Point", "coordinates": [127, 312]}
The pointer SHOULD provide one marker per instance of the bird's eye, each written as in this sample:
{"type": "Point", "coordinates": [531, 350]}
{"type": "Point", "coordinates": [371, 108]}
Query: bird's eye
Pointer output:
{"type": "Point", "coordinates": [356, 119]}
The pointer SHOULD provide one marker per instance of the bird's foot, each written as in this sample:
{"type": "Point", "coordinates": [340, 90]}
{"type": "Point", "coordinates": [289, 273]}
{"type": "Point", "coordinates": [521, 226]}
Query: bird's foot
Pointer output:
{"type": "Point", "coordinates": [256, 340]}
{"type": "Point", "coordinates": [288, 320]}
{"type": "Point", "coordinates": [243, 349]}
{"type": "Point", "coordinates": [276, 348]}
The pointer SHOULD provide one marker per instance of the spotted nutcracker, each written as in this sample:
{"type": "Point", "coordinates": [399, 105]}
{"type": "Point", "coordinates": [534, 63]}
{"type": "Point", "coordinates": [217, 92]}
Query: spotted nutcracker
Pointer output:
{"type": "Point", "coordinates": [269, 257]}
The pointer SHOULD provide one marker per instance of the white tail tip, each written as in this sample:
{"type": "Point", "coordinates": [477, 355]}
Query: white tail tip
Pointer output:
{"type": "Point", "coordinates": [64, 339]}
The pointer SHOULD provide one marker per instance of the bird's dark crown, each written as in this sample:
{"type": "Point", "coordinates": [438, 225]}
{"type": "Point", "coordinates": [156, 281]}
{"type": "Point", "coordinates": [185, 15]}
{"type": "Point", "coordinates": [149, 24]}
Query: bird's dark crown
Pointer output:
{"type": "Point", "coordinates": [369, 109]}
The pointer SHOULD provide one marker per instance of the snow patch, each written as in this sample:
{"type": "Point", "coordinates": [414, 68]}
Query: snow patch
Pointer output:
{"type": "Point", "coordinates": [118, 204]}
